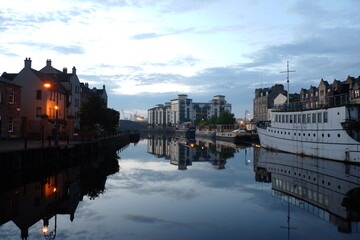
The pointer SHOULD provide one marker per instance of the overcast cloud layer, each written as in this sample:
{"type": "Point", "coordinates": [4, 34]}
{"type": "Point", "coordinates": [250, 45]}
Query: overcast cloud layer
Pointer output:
{"type": "Point", "coordinates": [147, 52]}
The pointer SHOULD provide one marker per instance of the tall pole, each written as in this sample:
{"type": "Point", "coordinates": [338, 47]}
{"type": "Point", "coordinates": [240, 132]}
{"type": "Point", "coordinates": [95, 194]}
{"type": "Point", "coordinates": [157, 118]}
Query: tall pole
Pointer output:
{"type": "Point", "coordinates": [287, 80]}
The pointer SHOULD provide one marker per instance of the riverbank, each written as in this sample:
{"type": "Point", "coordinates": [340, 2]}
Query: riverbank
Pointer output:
{"type": "Point", "coordinates": [14, 145]}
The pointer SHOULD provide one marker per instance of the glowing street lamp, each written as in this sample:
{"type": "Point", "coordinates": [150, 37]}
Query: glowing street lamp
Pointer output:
{"type": "Point", "coordinates": [56, 134]}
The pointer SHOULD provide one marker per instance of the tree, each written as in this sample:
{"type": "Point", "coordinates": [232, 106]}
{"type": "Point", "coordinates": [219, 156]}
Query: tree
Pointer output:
{"type": "Point", "coordinates": [226, 118]}
{"type": "Point", "coordinates": [110, 120]}
{"type": "Point", "coordinates": [95, 114]}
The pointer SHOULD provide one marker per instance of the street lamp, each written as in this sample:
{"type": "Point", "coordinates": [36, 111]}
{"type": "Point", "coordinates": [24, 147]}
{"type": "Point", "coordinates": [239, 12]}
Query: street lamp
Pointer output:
{"type": "Point", "coordinates": [56, 134]}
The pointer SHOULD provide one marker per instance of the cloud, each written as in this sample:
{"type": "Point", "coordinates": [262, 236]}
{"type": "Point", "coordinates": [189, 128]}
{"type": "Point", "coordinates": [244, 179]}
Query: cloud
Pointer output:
{"type": "Point", "coordinates": [153, 220]}
{"type": "Point", "coordinates": [170, 32]}
{"type": "Point", "coordinates": [65, 50]}
{"type": "Point", "coordinates": [163, 6]}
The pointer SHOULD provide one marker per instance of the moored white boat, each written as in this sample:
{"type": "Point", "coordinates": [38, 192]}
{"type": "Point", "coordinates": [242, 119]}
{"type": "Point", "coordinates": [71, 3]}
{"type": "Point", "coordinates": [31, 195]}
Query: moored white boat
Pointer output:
{"type": "Point", "coordinates": [331, 133]}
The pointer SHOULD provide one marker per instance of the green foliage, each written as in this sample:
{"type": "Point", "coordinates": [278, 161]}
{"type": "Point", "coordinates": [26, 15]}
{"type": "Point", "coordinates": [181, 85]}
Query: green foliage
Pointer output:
{"type": "Point", "coordinates": [226, 118]}
{"type": "Point", "coordinates": [94, 115]}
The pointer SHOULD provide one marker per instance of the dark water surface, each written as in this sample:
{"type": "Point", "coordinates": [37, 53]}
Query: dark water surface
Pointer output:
{"type": "Point", "coordinates": [176, 189]}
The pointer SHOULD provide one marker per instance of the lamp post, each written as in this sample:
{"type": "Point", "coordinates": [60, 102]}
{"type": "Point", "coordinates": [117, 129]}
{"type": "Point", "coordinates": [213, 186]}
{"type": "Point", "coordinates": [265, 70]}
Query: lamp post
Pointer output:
{"type": "Point", "coordinates": [56, 134]}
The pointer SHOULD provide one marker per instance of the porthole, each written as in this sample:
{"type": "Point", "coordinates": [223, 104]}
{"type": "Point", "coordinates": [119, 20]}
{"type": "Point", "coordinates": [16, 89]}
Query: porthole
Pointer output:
{"type": "Point", "coordinates": [339, 187]}
{"type": "Point", "coordinates": [314, 135]}
{"type": "Point", "coordinates": [329, 184]}
{"type": "Point", "coordinates": [299, 134]}
{"type": "Point", "coordinates": [304, 134]}
{"type": "Point", "coordinates": [322, 135]}
{"type": "Point", "coordinates": [322, 182]}
{"type": "Point", "coordinates": [338, 134]}
{"type": "Point", "coordinates": [329, 135]}
{"type": "Point", "coordinates": [308, 134]}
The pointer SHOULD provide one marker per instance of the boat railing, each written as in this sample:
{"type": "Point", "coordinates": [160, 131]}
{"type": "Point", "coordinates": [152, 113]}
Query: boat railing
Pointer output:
{"type": "Point", "coordinates": [331, 101]}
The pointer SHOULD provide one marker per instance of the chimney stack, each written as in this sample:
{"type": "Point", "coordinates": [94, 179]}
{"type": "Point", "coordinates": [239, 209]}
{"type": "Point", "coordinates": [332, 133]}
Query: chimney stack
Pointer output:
{"type": "Point", "coordinates": [27, 63]}
{"type": "Point", "coordinates": [65, 70]}
{"type": "Point", "coordinates": [48, 62]}
{"type": "Point", "coordinates": [73, 70]}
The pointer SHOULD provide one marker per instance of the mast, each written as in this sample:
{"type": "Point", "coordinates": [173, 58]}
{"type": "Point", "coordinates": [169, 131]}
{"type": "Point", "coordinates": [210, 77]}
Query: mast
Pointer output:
{"type": "Point", "coordinates": [287, 80]}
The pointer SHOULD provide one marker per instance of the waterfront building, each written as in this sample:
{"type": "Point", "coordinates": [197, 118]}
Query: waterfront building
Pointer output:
{"type": "Point", "coordinates": [264, 100]}
{"type": "Point", "coordinates": [10, 98]}
{"type": "Point", "coordinates": [86, 92]}
{"type": "Point", "coordinates": [39, 103]}
{"type": "Point", "coordinates": [47, 97]}
{"type": "Point", "coordinates": [183, 109]}
{"type": "Point", "coordinates": [71, 83]}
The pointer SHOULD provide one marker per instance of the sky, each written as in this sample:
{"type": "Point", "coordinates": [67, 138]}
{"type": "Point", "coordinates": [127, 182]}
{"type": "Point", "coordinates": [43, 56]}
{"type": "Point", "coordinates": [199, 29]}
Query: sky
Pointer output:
{"type": "Point", "coordinates": [147, 52]}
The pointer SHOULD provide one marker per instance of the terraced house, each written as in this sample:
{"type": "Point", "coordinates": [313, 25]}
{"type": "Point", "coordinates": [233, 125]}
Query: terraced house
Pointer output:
{"type": "Point", "coordinates": [42, 99]}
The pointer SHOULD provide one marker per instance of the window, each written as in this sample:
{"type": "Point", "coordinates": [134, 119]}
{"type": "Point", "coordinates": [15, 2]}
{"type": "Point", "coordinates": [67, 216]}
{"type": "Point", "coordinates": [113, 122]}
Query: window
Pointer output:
{"type": "Point", "coordinates": [308, 119]}
{"type": "Point", "coordinates": [321, 92]}
{"type": "Point", "coordinates": [38, 94]}
{"type": "Point", "coordinates": [287, 118]}
{"type": "Point", "coordinates": [11, 125]}
{"type": "Point", "coordinates": [11, 96]}
{"type": "Point", "coordinates": [319, 117]}
{"type": "Point", "coordinates": [283, 118]}
{"type": "Point", "coordinates": [291, 120]}
{"type": "Point", "coordinates": [299, 118]}
{"type": "Point", "coordinates": [38, 111]}
{"type": "Point", "coordinates": [304, 118]}
{"type": "Point", "coordinates": [314, 118]}
{"type": "Point", "coordinates": [357, 93]}
{"type": "Point", "coordinates": [325, 115]}
{"type": "Point", "coordinates": [295, 119]}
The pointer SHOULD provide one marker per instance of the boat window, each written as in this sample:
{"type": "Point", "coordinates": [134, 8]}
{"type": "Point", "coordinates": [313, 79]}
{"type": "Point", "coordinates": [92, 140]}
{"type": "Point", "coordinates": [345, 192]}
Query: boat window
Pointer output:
{"type": "Point", "coordinates": [304, 118]}
{"type": "Point", "coordinates": [314, 118]}
{"type": "Point", "coordinates": [319, 117]}
{"type": "Point", "coordinates": [295, 119]}
{"type": "Point", "coordinates": [276, 118]}
{"type": "Point", "coordinates": [283, 118]}
{"type": "Point", "coordinates": [286, 118]}
{"type": "Point", "coordinates": [325, 115]}
{"type": "Point", "coordinates": [308, 119]}
{"type": "Point", "coordinates": [291, 118]}
{"type": "Point", "coordinates": [299, 118]}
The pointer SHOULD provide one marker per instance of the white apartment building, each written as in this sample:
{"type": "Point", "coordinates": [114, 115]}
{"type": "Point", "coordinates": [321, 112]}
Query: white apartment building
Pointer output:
{"type": "Point", "coordinates": [183, 109]}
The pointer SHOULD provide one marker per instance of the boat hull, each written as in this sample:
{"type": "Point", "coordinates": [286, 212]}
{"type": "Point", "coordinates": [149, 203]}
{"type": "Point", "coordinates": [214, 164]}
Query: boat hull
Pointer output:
{"type": "Point", "coordinates": [324, 140]}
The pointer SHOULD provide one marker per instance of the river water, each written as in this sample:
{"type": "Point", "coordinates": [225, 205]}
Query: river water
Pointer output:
{"type": "Point", "coordinates": [165, 188]}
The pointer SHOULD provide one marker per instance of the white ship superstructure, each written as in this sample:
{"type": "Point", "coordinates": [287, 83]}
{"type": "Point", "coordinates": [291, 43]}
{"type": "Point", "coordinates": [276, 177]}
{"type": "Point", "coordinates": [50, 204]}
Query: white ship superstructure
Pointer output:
{"type": "Point", "coordinates": [331, 133]}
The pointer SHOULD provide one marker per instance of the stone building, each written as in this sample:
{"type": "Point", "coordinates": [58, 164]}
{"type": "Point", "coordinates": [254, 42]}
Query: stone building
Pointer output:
{"type": "Point", "coordinates": [264, 100]}
{"type": "Point", "coordinates": [10, 100]}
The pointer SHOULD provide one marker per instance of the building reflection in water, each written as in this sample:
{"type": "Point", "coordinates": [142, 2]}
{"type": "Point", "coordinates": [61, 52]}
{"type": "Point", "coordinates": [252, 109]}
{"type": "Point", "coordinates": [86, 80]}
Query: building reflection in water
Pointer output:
{"type": "Point", "coordinates": [184, 152]}
{"type": "Point", "coordinates": [327, 189]}
{"type": "Point", "coordinates": [39, 193]}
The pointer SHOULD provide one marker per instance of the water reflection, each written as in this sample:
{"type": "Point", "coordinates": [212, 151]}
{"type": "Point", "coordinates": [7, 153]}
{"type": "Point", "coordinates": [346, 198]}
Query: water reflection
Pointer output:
{"type": "Point", "coordinates": [41, 193]}
{"type": "Point", "coordinates": [183, 152]}
{"type": "Point", "coordinates": [329, 190]}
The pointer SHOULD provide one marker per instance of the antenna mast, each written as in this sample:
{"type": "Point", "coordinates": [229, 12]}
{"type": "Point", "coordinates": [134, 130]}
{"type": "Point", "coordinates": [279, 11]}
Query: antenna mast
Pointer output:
{"type": "Point", "coordinates": [287, 80]}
